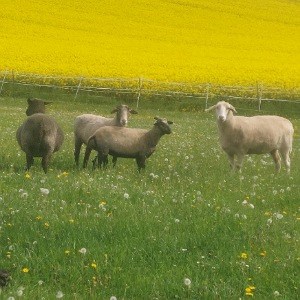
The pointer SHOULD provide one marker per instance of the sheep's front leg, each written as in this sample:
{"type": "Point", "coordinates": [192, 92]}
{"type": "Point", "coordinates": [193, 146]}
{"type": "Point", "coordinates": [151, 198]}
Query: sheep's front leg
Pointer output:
{"type": "Point", "coordinates": [231, 160]}
{"type": "Point", "coordinates": [276, 158]}
{"type": "Point", "coordinates": [239, 162]}
{"type": "Point", "coordinates": [29, 161]}
{"type": "Point", "coordinates": [140, 160]}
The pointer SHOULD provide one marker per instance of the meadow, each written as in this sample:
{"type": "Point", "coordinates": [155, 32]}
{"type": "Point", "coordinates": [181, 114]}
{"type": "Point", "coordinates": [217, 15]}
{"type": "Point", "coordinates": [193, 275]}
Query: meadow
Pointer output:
{"type": "Point", "coordinates": [185, 228]}
{"type": "Point", "coordinates": [222, 42]}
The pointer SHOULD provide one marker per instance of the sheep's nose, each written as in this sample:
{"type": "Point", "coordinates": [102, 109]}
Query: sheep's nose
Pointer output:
{"type": "Point", "coordinates": [124, 122]}
{"type": "Point", "coordinates": [222, 118]}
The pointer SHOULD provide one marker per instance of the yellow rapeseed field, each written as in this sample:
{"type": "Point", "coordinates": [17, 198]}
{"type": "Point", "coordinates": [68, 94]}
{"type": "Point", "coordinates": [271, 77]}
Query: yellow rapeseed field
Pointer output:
{"type": "Point", "coordinates": [226, 42]}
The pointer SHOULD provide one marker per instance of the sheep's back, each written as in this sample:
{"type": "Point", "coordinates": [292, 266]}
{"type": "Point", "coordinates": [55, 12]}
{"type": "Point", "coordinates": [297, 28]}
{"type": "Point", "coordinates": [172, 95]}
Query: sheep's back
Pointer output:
{"type": "Point", "coordinates": [85, 125]}
{"type": "Point", "coordinates": [258, 134]}
{"type": "Point", "coordinates": [123, 141]}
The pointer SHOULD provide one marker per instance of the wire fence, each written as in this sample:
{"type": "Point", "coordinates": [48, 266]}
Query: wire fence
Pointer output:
{"type": "Point", "coordinates": [144, 88]}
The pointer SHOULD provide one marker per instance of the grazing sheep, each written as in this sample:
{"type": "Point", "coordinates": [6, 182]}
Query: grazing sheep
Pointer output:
{"type": "Point", "coordinates": [85, 125]}
{"type": "Point", "coordinates": [39, 135]}
{"type": "Point", "coordinates": [253, 135]}
{"type": "Point", "coordinates": [126, 142]}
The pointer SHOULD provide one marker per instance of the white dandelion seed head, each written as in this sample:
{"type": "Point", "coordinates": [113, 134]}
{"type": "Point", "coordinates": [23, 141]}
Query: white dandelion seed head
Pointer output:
{"type": "Point", "coordinates": [82, 250]}
{"type": "Point", "coordinates": [44, 191]}
{"type": "Point", "coordinates": [245, 202]}
{"type": "Point", "coordinates": [59, 295]}
{"type": "Point", "coordinates": [278, 216]}
{"type": "Point", "coordinates": [187, 281]}
{"type": "Point", "coordinates": [276, 294]}
{"type": "Point", "coordinates": [113, 298]}
{"type": "Point", "coordinates": [126, 195]}
{"type": "Point", "coordinates": [40, 282]}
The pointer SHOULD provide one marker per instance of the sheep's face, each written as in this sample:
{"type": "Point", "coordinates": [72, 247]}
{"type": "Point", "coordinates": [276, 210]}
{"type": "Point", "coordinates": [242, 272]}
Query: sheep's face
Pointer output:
{"type": "Point", "coordinates": [222, 110]}
{"type": "Point", "coordinates": [36, 106]}
{"type": "Point", "coordinates": [123, 112]}
{"type": "Point", "coordinates": [164, 125]}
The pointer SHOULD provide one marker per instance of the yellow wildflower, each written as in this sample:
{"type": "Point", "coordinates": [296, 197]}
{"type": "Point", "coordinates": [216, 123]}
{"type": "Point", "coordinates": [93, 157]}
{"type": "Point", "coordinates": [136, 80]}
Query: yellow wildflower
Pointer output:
{"type": "Point", "coordinates": [244, 255]}
{"type": "Point", "coordinates": [94, 265]}
{"type": "Point", "coordinates": [25, 270]}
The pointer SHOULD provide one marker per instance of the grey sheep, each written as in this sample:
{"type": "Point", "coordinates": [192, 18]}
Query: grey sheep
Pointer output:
{"type": "Point", "coordinates": [39, 135]}
{"type": "Point", "coordinates": [85, 125]}
{"type": "Point", "coordinates": [241, 135]}
{"type": "Point", "coordinates": [126, 142]}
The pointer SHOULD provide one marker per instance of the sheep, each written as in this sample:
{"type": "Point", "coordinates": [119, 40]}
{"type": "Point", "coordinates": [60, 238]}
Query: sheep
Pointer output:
{"type": "Point", "coordinates": [253, 135]}
{"type": "Point", "coordinates": [126, 142]}
{"type": "Point", "coordinates": [85, 125]}
{"type": "Point", "coordinates": [39, 135]}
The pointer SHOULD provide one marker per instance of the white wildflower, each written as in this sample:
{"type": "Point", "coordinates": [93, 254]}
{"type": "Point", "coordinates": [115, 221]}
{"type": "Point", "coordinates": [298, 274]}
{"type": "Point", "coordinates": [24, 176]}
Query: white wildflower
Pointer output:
{"type": "Point", "coordinates": [44, 191]}
{"type": "Point", "coordinates": [82, 250]}
{"type": "Point", "coordinates": [59, 295]}
{"type": "Point", "coordinates": [126, 196]}
{"type": "Point", "coordinates": [187, 282]}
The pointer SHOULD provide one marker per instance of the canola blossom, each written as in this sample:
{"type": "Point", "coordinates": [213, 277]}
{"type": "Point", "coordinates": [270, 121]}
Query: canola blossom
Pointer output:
{"type": "Point", "coordinates": [225, 42]}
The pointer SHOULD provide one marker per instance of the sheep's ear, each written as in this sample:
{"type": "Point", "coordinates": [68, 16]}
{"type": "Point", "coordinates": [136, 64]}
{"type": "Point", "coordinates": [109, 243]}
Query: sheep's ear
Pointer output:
{"type": "Point", "coordinates": [210, 108]}
{"type": "Point", "coordinates": [29, 100]}
{"type": "Point", "coordinates": [132, 111]}
{"type": "Point", "coordinates": [170, 122]}
{"type": "Point", "coordinates": [232, 108]}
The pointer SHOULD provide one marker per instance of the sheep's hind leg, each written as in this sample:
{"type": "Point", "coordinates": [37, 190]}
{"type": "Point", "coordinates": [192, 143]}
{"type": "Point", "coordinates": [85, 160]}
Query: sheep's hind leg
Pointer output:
{"type": "Point", "coordinates": [29, 161]}
{"type": "Point", "coordinates": [78, 145]}
{"type": "Point", "coordinates": [87, 154]}
{"type": "Point", "coordinates": [45, 161]}
{"type": "Point", "coordinates": [276, 157]}
{"type": "Point", "coordinates": [141, 162]}
{"type": "Point", "coordinates": [114, 161]}
{"type": "Point", "coordinates": [286, 160]}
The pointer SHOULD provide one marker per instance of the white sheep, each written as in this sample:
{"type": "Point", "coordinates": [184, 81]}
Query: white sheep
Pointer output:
{"type": "Point", "coordinates": [85, 125]}
{"type": "Point", "coordinates": [253, 135]}
{"type": "Point", "coordinates": [126, 142]}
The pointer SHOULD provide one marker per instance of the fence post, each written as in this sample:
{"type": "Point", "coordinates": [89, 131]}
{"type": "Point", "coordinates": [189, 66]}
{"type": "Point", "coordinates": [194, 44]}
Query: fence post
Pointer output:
{"type": "Point", "coordinates": [3, 80]}
{"type": "Point", "coordinates": [207, 95]}
{"type": "Point", "coordinates": [139, 92]}
{"type": "Point", "coordinates": [78, 88]}
{"type": "Point", "coordinates": [259, 95]}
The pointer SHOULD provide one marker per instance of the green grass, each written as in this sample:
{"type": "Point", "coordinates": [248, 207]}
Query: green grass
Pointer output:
{"type": "Point", "coordinates": [183, 218]}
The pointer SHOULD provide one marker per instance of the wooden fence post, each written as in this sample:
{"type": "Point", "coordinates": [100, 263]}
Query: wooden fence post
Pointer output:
{"type": "Point", "coordinates": [259, 95]}
{"type": "Point", "coordinates": [207, 95]}
{"type": "Point", "coordinates": [139, 92]}
{"type": "Point", "coordinates": [3, 80]}
{"type": "Point", "coordinates": [78, 88]}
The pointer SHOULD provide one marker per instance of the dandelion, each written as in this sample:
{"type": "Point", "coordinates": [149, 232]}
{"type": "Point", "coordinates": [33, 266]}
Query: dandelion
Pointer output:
{"type": "Point", "coordinates": [82, 250]}
{"type": "Point", "coordinates": [59, 295]}
{"type": "Point", "coordinates": [249, 291]}
{"type": "Point", "coordinates": [244, 255]}
{"type": "Point", "coordinates": [67, 252]}
{"type": "Point", "coordinates": [46, 224]}
{"type": "Point", "coordinates": [263, 253]}
{"type": "Point", "coordinates": [126, 196]}
{"type": "Point", "coordinates": [93, 265]}
{"type": "Point", "coordinates": [276, 294]}
{"type": "Point", "coordinates": [20, 291]}
{"type": "Point", "coordinates": [187, 282]}
{"type": "Point", "coordinates": [40, 282]}
{"type": "Point", "coordinates": [113, 298]}
{"type": "Point", "coordinates": [278, 216]}
{"type": "Point", "coordinates": [25, 270]}
{"type": "Point", "coordinates": [27, 176]}
{"type": "Point", "coordinates": [44, 191]}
